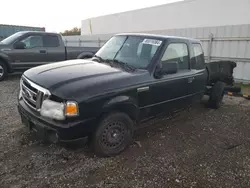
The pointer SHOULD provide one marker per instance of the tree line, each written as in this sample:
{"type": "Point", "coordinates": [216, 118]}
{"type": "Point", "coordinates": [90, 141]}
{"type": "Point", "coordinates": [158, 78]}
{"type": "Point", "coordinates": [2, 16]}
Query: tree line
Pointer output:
{"type": "Point", "coordinates": [74, 31]}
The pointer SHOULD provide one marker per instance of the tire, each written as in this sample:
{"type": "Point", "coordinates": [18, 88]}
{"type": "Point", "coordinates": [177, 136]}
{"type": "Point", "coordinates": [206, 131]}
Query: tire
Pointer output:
{"type": "Point", "coordinates": [3, 71]}
{"type": "Point", "coordinates": [113, 135]}
{"type": "Point", "coordinates": [216, 96]}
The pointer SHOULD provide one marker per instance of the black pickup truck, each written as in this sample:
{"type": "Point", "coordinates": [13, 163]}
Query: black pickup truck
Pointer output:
{"type": "Point", "coordinates": [27, 49]}
{"type": "Point", "coordinates": [131, 79]}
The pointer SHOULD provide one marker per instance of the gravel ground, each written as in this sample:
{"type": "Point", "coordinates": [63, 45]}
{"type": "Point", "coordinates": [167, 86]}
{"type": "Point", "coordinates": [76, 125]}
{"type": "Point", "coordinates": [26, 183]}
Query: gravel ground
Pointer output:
{"type": "Point", "coordinates": [198, 147]}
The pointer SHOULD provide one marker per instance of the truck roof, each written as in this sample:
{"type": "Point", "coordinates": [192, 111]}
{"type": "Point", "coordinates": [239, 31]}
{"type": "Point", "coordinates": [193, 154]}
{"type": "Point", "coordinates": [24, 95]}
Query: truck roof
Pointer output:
{"type": "Point", "coordinates": [160, 36]}
{"type": "Point", "coordinates": [42, 32]}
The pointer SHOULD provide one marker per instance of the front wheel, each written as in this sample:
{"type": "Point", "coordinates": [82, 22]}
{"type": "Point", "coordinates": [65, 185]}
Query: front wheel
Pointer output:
{"type": "Point", "coordinates": [3, 71]}
{"type": "Point", "coordinates": [113, 134]}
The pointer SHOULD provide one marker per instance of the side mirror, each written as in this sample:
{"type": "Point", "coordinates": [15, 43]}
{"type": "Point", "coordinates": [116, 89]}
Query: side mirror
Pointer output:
{"type": "Point", "coordinates": [20, 45]}
{"type": "Point", "coordinates": [170, 67]}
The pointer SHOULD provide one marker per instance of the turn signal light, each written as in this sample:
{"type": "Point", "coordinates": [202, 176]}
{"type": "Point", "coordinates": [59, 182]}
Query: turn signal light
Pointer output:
{"type": "Point", "coordinates": [71, 109]}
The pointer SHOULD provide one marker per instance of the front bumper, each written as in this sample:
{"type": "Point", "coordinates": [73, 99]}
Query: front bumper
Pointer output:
{"type": "Point", "coordinates": [55, 131]}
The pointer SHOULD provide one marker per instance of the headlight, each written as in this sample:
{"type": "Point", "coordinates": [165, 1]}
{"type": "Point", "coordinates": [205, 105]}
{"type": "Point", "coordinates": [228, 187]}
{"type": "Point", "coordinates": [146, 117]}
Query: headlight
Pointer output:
{"type": "Point", "coordinates": [59, 111]}
{"type": "Point", "coordinates": [52, 110]}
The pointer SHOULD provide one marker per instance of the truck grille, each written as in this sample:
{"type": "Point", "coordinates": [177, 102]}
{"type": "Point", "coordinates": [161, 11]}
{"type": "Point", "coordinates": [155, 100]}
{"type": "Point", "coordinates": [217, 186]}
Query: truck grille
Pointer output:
{"type": "Point", "coordinates": [33, 94]}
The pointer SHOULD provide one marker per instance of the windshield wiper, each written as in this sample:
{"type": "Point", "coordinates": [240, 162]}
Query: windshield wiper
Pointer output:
{"type": "Point", "coordinates": [105, 61]}
{"type": "Point", "coordinates": [125, 65]}
{"type": "Point", "coordinates": [112, 63]}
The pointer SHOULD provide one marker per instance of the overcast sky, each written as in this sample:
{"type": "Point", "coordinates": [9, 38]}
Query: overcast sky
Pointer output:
{"type": "Point", "coordinates": [59, 15]}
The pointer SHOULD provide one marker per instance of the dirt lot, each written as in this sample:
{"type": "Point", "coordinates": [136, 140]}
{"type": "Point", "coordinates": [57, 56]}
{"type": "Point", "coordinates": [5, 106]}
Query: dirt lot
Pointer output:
{"type": "Point", "coordinates": [197, 148]}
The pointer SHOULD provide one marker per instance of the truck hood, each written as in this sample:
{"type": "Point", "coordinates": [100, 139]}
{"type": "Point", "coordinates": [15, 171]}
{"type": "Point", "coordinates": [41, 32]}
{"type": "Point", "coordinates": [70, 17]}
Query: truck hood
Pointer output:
{"type": "Point", "coordinates": [77, 78]}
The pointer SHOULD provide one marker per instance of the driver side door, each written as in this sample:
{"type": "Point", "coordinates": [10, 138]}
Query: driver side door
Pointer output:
{"type": "Point", "coordinates": [174, 90]}
{"type": "Point", "coordinates": [33, 54]}
{"type": "Point", "coordinates": [170, 92]}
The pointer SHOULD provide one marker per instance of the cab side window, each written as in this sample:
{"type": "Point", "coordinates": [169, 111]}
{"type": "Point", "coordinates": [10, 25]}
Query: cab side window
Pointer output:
{"type": "Point", "coordinates": [33, 41]}
{"type": "Point", "coordinates": [177, 52]}
{"type": "Point", "coordinates": [51, 41]}
{"type": "Point", "coordinates": [197, 61]}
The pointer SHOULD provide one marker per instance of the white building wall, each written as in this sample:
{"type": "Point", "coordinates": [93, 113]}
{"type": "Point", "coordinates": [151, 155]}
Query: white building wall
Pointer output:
{"type": "Point", "coordinates": [186, 14]}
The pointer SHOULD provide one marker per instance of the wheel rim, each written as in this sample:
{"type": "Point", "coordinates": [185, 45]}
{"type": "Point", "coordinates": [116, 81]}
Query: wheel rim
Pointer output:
{"type": "Point", "coordinates": [1, 71]}
{"type": "Point", "coordinates": [113, 136]}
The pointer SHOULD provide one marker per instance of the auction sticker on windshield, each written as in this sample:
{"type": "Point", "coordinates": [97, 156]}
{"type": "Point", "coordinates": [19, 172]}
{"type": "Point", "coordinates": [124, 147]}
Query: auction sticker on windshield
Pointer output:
{"type": "Point", "coordinates": [152, 42]}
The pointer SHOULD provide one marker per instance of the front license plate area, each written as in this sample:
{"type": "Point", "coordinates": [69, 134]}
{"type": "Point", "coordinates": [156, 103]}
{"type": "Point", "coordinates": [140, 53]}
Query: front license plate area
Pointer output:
{"type": "Point", "coordinates": [40, 132]}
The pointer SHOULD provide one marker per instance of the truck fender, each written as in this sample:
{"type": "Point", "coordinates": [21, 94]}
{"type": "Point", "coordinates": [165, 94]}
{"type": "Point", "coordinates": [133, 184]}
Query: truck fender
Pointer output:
{"type": "Point", "coordinates": [124, 104]}
{"type": "Point", "coordinates": [85, 55]}
{"type": "Point", "coordinates": [4, 58]}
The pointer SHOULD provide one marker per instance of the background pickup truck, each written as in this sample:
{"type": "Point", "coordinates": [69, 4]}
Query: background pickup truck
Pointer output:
{"type": "Point", "coordinates": [24, 50]}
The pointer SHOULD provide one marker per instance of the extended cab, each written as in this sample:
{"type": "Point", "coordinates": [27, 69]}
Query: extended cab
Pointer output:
{"type": "Point", "coordinates": [27, 49]}
{"type": "Point", "coordinates": [132, 78]}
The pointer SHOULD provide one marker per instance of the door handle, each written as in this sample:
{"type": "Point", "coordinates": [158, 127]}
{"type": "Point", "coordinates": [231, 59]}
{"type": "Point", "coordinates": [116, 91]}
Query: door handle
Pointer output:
{"type": "Point", "coordinates": [43, 51]}
{"type": "Point", "coordinates": [141, 89]}
{"type": "Point", "coordinates": [190, 80]}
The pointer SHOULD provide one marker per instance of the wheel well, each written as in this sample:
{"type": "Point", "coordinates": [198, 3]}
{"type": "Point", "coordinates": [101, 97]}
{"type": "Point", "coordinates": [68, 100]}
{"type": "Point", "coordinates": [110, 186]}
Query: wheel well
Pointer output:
{"type": "Point", "coordinates": [129, 109]}
{"type": "Point", "coordinates": [85, 56]}
{"type": "Point", "coordinates": [5, 62]}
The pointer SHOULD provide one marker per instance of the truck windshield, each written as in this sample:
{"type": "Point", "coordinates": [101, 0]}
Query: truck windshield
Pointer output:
{"type": "Point", "coordinates": [11, 38]}
{"type": "Point", "coordinates": [136, 51]}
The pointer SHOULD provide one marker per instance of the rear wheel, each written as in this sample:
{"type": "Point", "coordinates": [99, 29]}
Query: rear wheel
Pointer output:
{"type": "Point", "coordinates": [113, 134]}
{"type": "Point", "coordinates": [3, 71]}
{"type": "Point", "coordinates": [216, 95]}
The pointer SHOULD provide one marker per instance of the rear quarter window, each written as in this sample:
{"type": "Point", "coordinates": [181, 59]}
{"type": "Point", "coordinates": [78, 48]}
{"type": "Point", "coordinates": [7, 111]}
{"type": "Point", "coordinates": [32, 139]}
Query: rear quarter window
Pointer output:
{"type": "Point", "coordinates": [50, 41]}
{"type": "Point", "coordinates": [197, 61]}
